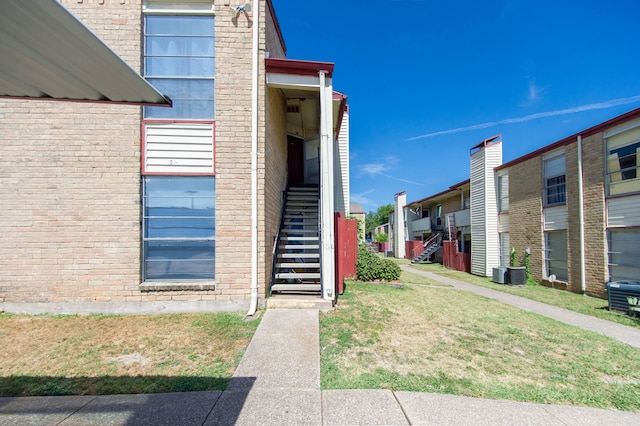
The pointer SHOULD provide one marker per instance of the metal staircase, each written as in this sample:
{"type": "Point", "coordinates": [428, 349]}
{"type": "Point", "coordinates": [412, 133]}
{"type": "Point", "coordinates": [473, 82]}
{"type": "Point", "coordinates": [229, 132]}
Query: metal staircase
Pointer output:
{"type": "Point", "coordinates": [431, 246]}
{"type": "Point", "coordinates": [297, 248]}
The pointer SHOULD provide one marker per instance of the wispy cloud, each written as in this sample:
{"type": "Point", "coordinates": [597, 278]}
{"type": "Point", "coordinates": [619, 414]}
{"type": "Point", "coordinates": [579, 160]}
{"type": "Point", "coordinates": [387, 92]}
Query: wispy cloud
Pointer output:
{"type": "Point", "coordinates": [380, 169]}
{"type": "Point", "coordinates": [401, 180]}
{"type": "Point", "coordinates": [362, 198]}
{"type": "Point", "coordinates": [588, 107]}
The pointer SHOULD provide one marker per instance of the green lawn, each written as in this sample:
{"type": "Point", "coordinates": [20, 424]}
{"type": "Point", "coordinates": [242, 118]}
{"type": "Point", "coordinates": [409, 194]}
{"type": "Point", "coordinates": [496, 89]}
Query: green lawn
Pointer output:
{"type": "Point", "coordinates": [434, 339]}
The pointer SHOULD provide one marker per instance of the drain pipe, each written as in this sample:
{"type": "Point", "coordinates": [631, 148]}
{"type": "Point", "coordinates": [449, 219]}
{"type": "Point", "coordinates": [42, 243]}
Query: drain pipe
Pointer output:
{"type": "Point", "coordinates": [583, 280]}
{"type": "Point", "coordinates": [254, 161]}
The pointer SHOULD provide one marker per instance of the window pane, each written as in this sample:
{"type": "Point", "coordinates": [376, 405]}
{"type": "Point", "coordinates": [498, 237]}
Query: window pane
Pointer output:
{"type": "Point", "coordinates": [172, 66]}
{"type": "Point", "coordinates": [174, 260]}
{"type": "Point", "coordinates": [179, 227]}
{"type": "Point", "coordinates": [624, 254]}
{"type": "Point", "coordinates": [191, 98]}
{"type": "Point", "coordinates": [179, 46]}
{"type": "Point", "coordinates": [556, 254]}
{"type": "Point", "coordinates": [180, 24]}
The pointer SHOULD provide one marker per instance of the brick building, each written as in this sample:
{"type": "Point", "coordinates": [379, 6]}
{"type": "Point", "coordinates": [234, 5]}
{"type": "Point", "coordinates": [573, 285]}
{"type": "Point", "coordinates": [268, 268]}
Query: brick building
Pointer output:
{"type": "Point", "coordinates": [123, 209]}
{"type": "Point", "coordinates": [574, 205]}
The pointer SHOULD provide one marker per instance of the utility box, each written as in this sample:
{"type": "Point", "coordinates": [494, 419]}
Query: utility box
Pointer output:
{"type": "Point", "coordinates": [500, 275]}
{"type": "Point", "coordinates": [618, 291]}
{"type": "Point", "coordinates": [517, 275]}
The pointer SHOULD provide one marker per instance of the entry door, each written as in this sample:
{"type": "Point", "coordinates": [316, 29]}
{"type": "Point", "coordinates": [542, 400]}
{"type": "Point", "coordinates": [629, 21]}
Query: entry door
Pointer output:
{"type": "Point", "coordinates": [295, 159]}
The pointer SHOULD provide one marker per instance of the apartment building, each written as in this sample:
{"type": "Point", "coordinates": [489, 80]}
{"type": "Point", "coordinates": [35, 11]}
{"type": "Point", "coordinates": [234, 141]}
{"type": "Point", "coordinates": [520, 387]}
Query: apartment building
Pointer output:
{"type": "Point", "coordinates": [572, 207]}
{"type": "Point", "coordinates": [123, 209]}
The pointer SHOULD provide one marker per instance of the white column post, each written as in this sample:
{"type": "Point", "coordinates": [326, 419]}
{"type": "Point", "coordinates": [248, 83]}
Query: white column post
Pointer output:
{"type": "Point", "coordinates": [326, 187]}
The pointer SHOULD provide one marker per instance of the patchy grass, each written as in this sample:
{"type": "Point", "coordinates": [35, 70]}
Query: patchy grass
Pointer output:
{"type": "Point", "coordinates": [431, 339]}
{"type": "Point", "coordinates": [587, 305]}
{"type": "Point", "coordinates": [93, 355]}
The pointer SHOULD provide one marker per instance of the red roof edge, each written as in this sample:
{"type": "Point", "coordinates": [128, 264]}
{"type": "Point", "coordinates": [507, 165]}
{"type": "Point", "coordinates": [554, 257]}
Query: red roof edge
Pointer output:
{"type": "Point", "coordinates": [272, 11]}
{"type": "Point", "coordinates": [296, 67]}
{"type": "Point", "coordinates": [343, 108]}
{"type": "Point", "coordinates": [566, 141]}
{"type": "Point", "coordinates": [450, 189]}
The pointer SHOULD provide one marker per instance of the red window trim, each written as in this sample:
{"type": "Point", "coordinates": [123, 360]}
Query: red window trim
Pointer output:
{"type": "Point", "coordinates": [143, 147]}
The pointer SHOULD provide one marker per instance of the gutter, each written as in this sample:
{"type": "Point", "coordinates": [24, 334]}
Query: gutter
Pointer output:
{"type": "Point", "coordinates": [254, 160]}
{"type": "Point", "coordinates": [583, 279]}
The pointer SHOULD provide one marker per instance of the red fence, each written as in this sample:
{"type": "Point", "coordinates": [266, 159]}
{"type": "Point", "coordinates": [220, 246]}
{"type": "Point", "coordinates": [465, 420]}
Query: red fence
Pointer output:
{"type": "Point", "coordinates": [346, 249]}
{"type": "Point", "coordinates": [453, 259]}
{"type": "Point", "coordinates": [413, 248]}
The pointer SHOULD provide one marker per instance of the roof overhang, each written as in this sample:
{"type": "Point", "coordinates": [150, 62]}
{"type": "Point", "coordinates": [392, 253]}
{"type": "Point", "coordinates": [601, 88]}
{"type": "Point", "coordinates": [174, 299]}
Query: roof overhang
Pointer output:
{"type": "Point", "coordinates": [48, 54]}
{"type": "Point", "coordinates": [300, 83]}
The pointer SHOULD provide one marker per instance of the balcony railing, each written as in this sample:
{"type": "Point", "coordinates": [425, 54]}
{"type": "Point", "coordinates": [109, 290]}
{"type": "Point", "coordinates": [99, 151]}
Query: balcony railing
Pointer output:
{"type": "Point", "coordinates": [463, 217]}
{"type": "Point", "coordinates": [419, 226]}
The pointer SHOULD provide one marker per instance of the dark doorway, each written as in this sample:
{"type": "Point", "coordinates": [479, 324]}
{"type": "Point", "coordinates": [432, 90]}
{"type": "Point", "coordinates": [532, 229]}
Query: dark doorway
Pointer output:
{"type": "Point", "coordinates": [295, 159]}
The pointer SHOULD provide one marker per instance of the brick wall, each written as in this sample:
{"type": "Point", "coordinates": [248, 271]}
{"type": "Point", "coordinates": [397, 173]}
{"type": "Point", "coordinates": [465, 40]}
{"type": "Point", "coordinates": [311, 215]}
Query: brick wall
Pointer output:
{"type": "Point", "coordinates": [274, 177]}
{"type": "Point", "coordinates": [71, 203]}
{"type": "Point", "coordinates": [525, 213]}
{"type": "Point", "coordinates": [593, 168]}
{"type": "Point", "coordinates": [70, 217]}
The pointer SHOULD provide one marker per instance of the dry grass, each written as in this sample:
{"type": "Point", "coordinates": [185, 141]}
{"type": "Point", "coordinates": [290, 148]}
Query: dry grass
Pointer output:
{"type": "Point", "coordinates": [44, 355]}
{"type": "Point", "coordinates": [443, 340]}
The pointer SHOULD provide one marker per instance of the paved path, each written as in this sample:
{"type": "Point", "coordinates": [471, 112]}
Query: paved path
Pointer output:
{"type": "Point", "coordinates": [278, 383]}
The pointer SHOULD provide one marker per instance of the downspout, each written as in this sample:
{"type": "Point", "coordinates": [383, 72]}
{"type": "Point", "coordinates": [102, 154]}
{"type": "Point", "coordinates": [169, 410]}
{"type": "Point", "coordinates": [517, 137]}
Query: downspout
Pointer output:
{"type": "Point", "coordinates": [254, 161]}
{"type": "Point", "coordinates": [583, 280]}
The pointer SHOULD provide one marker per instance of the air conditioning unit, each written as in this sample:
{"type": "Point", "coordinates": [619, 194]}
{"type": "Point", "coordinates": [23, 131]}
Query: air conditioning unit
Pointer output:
{"type": "Point", "coordinates": [618, 291]}
{"type": "Point", "coordinates": [500, 275]}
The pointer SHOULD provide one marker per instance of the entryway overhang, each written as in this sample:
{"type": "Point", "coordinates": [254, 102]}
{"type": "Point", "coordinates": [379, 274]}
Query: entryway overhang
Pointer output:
{"type": "Point", "coordinates": [314, 110]}
{"type": "Point", "coordinates": [48, 54]}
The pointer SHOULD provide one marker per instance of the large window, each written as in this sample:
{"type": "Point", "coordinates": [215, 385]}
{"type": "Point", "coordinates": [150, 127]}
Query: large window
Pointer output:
{"type": "Point", "coordinates": [624, 254]}
{"type": "Point", "coordinates": [179, 228]}
{"type": "Point", "coordinates": [622, 163]}
{"type": "Point", "coordinates": [179, 62]}
{"type": "Point", "coordinates": [555, 254]}
{"type": "Point", "coordinates": [503, 193]}
{"type": "Point", "coordinates": [178, 207]}
{"type": "Point", "coordinates": [505, 249]}
{"type": "Point", "coordinates": [555, 189]}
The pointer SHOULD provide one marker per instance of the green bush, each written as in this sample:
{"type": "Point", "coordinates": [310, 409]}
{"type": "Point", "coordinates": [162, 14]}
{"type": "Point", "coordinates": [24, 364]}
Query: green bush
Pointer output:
{"type": "Point", "coordinates": [370, 267]}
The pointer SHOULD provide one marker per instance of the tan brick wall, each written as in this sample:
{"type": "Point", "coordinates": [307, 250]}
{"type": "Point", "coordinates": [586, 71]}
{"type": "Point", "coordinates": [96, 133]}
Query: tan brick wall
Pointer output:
{"type": "Point", "coordinates": [70, 217]}
{"type": "Point", "coordinates": [274, 173]}
{"type": "Point", "coordinates": [525, 213]}
{"type": "Point", "coordinates": [593, 168]}
{"type": "Point", "coordinates": [233, 153]}
{"type": "Point", "coordinates": [71, 203]}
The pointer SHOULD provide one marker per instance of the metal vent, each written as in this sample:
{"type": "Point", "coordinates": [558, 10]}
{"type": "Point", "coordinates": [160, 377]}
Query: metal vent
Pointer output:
{"type": "Point", "coordinates": [293, 109]}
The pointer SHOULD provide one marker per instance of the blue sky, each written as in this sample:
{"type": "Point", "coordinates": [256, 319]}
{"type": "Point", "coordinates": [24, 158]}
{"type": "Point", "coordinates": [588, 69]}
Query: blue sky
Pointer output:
{"type": "Point", "coordinates": [429, 79]}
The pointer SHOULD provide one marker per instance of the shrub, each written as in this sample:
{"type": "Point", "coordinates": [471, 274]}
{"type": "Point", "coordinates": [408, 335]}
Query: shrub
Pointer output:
{"type": "Point", "coordinates": [370, 267]}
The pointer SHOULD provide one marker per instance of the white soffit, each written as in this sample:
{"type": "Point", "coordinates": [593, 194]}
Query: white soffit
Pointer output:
{"type": "Point", "coordinates": [46, 53]}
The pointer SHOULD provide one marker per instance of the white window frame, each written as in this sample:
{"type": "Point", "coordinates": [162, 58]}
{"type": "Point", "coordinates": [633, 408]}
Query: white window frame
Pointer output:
{"type": "Point", "coordinates": [560, 189]}
{"type": "Point", "coordinates": [619, 179]}
{"type": "Point", "coordinates": [549, 257]}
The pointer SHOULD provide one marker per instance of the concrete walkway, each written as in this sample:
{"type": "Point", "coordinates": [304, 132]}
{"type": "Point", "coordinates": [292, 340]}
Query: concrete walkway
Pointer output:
{"type": "Point", "coordinates": [278, 383]}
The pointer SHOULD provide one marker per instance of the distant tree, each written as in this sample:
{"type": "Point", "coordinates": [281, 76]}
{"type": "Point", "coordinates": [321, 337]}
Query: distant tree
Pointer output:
{"type": "Point", "coordinates": [377, 218]}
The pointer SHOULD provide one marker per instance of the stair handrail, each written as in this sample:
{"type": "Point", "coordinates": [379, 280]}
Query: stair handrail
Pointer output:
{"type": "Point", "coordinates": [276, 238]}
{"type": "Point", "coordinates": [426, 244]}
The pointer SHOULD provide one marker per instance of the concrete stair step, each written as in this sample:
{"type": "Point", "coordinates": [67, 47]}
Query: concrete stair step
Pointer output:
{"type": "Point", "coordinates": [298, 276]}
{"type": "Point", "coordinates": [298, 265]}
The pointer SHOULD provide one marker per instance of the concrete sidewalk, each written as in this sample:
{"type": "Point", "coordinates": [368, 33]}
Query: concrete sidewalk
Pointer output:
{"type": "Point", "coordinates": [278, 382]}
